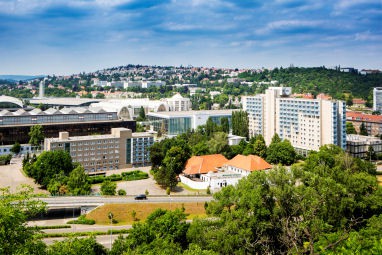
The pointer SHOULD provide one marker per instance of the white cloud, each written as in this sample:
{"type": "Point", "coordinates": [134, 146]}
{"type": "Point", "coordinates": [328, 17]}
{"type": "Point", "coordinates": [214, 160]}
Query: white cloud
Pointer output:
{"type": "Point", "coordinates": [285, 24]}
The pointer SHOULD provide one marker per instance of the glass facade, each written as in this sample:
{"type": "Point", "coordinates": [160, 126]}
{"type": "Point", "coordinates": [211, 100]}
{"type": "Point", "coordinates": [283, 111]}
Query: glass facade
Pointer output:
{"type": "Point", "coordinates": [128, 151]}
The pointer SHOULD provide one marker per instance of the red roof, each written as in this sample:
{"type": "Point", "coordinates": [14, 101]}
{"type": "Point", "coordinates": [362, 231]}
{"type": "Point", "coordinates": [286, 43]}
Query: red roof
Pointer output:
{"type": "Point", "coordinates": [204, 164]}
{"type": "Point", "coordinates": [358, 116]}
{"type": "Point", "coordinates": [359, 101]}
{"type": "Point", "coordinates": [249, 163]}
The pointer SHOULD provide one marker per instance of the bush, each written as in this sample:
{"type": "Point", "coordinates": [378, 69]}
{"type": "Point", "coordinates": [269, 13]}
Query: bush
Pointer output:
{"type": "Point", "coordinates": [5, 159]}
{"type": "Point", "coordinates": [51, 227]}
{"type": "Point", "coordinates": [134, 175]}
{"type": "Point", "coordinates": [82, 220]}
{"type": "Point", "coordinates": [121, 192]}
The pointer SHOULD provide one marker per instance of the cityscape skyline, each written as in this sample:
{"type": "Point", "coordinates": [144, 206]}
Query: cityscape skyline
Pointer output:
{"type": "Point", "coordinates": [65, 37]}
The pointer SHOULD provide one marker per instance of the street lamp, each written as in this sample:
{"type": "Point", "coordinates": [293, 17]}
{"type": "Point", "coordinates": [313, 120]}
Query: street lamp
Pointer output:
{"type": "Point", "coordinates": [111, 229]}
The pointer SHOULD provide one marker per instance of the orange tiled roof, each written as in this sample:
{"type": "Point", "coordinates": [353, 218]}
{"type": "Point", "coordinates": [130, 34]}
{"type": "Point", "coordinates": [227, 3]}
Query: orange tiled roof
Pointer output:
{"type": "Point", "coordinates": [359, 101]}
{"type": "Point", "coordinates": [204, 164]}
{"type": "Point", "coordinates": [358, 116]}
{"type": "Point", "coordinates": [249, 163]}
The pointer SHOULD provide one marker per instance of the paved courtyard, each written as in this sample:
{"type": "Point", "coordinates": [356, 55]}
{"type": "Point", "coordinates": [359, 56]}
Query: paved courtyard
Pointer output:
{"type": "Point", "coordinates": [12, 176]}
{"type": "Point", "coordinates": [140, 186]}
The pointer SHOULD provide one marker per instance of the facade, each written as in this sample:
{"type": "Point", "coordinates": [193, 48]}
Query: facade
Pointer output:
{"type": "Point", "coordinates": [174, 123]}
{"type": "Point", "coordinates": [25, 148]}
{"type": "Point", "coordinates": [98, 153]}
{"type": "Point", "coordinates": [178, 103]}
{"type": "Point", "coordinates": [373, 123]}
{"type": "Point", "coordinates": [358, 145]}
{"type": "Point", "coordinates": [306, 123]}
{"type": "Point", "coordinates": [15, 126]}
{"type": "Point", "coordinates": [377, 99]}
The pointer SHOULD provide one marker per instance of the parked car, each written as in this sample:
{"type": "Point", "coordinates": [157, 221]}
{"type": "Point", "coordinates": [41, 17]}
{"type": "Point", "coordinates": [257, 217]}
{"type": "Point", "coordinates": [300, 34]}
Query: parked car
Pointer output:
{"type": "Point", "coordinates": [140, 197]}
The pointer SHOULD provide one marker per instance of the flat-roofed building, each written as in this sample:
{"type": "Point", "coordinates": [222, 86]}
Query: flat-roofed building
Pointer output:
{"type": "Point", "coordinates": [306, 123]}
{"type": "Point", "coordinates": [174, 123]}
{"type": "Point", "coordinates": [98, 153]}
{"type": "Point", "coordinates": [358, 145]}
{"type": "Point", "coordinates": [15, 126]}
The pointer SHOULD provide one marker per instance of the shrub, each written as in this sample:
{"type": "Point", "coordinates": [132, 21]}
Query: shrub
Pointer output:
{"type": "Point", "coordinates": [121, 192]}
{"type": "Point", "coordinates": [82, 220]}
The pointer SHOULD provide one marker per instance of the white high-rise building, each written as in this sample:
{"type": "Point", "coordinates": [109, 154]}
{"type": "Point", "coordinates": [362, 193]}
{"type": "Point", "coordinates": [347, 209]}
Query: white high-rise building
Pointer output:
{"type": "Point", "coordinates": [377, 99]}
{"type": "Point", "coordinates": [306, 123]}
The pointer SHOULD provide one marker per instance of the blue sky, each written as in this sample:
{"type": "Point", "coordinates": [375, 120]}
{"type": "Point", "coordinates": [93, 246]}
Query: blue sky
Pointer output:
{"type": "Point", "coordinates": [71, 36]}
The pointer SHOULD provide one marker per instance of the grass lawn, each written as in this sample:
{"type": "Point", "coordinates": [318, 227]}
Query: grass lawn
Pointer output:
{"type": "Point", "coordinates": [123, 212]}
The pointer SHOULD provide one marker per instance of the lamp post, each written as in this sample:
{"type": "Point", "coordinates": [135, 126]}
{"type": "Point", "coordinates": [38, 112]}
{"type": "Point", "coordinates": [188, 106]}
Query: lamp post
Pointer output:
{"type": "Point", "coordinates": [111, 229]}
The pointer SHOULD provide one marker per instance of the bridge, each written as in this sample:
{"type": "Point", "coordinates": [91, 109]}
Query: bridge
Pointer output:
{"type": "Point", "coordinates": [88, 203]}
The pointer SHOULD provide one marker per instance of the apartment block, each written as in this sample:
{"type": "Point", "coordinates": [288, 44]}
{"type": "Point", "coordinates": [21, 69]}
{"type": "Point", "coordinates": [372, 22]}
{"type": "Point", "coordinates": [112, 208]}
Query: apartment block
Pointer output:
{"type": "Point", "coordinates": [98, 153]}
{"type": "Point", "coordinates": [306, 123]}
{"type": "Point", "coordinates": [377, 99]}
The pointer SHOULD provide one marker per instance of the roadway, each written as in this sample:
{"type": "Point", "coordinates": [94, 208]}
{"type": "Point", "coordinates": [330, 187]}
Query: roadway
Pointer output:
{"type": "Point", "coordinates": [67, 201]}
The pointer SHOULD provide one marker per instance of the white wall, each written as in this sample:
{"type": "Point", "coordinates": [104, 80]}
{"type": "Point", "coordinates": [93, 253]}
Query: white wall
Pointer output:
{"type": "Point", "coordinates": [192, 184]}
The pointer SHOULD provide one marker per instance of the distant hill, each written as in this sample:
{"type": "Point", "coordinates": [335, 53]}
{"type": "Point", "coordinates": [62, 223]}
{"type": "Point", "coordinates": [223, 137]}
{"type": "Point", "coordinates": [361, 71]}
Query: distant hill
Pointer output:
{"type": "Point", "coordinates": [19, 77]}
{"type": "Point", "coordinates": [320, 80]}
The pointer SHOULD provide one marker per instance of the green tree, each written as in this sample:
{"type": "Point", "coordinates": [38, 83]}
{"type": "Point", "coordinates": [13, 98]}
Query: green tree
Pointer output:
{"type": "Point", "coordinates": [74, 246]}
{"type": "Point", "coordinates": [210, 127]}
{"type": "Point", "coordinates": [142, 114]}
{"type": "Point", "coordinates": [224, 124]}
{"type": "Point", "coordinates": [240, 123]}
{"type": "Point", "coordinates": [248, 149]}
{"type": "Point", "coordinates": [163, 232]}
{"type": "Point", "coordinates": [363, 130]}
{"type": "Point", "coordinates": [281, 153]}
{"type": "Point", "coordinates": [78, 182]}
{"type": "Point", "coordinates": [47, 165]}
{"type": "Point", "coordinates": [16, 148]}
{"type": "Point", "coordinates": [218, 142]}
{"type": "Point", "coordinates": [15, 235]}
{"type": "Point", "coordinates": [108, 188]}
{"type": "Point", "coordinates": [200, 149]}
{"type": "Point", "coordinates": [350, 128]}
{"type": "Point", "coordinates": [36, 135]}
{"type": "Point", "coordinates": [260, 148]}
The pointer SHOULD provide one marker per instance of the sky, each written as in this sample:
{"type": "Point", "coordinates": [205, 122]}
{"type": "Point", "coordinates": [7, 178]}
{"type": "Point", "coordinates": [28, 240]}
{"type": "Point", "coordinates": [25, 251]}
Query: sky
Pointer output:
{"type": "Point", "coordinates": [64, 37]}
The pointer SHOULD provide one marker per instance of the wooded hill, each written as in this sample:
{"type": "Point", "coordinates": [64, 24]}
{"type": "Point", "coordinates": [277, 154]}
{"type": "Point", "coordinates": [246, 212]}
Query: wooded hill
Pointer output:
{"type": "Point", "coordinates": [319, 80]}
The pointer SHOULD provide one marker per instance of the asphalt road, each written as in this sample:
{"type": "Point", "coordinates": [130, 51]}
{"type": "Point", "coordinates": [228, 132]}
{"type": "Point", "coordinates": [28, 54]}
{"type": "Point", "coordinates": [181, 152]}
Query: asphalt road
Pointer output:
{"type": "Point", "coordinates": [93, 200]}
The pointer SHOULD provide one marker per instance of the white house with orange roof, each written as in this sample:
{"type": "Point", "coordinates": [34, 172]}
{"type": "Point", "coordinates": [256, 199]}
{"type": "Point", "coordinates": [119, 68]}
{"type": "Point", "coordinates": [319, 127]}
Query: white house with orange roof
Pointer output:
{"type": "Point", "coordinates": [215, 171]}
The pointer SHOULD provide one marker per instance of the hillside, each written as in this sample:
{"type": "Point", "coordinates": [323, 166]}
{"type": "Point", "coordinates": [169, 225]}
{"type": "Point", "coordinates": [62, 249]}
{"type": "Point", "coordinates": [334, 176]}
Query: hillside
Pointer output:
{"type": "Point", "coordinates": [319, 80]}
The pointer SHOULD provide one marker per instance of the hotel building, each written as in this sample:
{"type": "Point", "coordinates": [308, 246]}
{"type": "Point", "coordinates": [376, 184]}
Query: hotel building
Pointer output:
{"type": "Point", "coordinates": [98, 153]}
{"type": "Point", "coordinates": [306, 123]}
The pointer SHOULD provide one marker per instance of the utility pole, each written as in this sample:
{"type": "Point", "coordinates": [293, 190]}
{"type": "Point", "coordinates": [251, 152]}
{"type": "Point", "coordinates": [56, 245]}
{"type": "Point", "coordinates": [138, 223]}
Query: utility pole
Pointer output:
{"type": "Point", "coordinates": [111, 229]}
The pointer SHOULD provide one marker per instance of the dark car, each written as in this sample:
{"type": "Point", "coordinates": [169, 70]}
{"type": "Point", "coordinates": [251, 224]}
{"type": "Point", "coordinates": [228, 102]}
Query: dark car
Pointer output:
{"type": "Point", "coordinates": [140, 197]}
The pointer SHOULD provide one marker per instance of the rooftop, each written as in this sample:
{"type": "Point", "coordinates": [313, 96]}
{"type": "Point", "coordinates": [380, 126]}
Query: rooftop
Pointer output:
{"type": "Point", "coordinates": [64, 101]}
{"type": "Point", "coordinates": [249, 163]}
{"type": "Point", "coordinates": [191, 113]}
{"type": "Point", "coordinates": [204, 164]}
{"type": "Point", "coordinates": [363, 117]}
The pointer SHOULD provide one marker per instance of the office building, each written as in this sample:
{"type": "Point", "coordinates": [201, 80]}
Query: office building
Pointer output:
{"type": "Point", "coordinates": [306, 123]}
{"type": "Point", "coordinates": [98, 153]}
{"type": "Point", "coordinates": [358, 145]}
{"type": "Point", "coordinates": [377, 99]}
{"type": "Point", "coordinates": [175, 123]}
